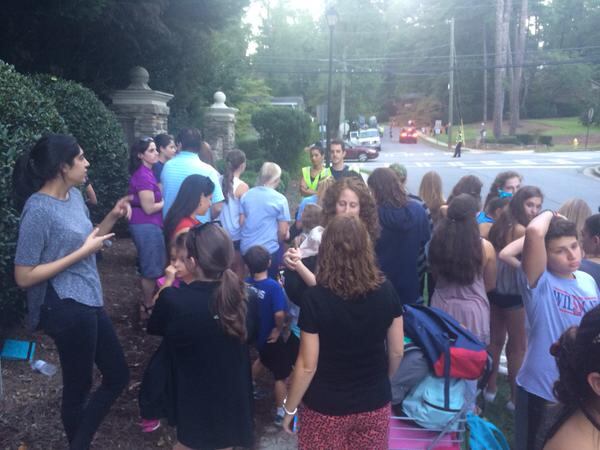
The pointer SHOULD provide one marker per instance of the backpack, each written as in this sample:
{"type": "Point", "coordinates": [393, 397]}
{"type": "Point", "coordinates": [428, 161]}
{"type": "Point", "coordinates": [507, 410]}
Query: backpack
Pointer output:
{"type": "Point", "coordinates": [428, 406]}
{"type": "Point", "coordinates": [484, 435]}
{"type": "Point", "coordinates": [451, 349]}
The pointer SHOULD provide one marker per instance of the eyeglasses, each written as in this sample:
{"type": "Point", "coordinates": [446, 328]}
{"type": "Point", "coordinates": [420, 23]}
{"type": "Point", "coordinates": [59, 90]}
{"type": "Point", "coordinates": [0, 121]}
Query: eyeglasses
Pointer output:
{"type": "Point", "coordinates": [146, 139]}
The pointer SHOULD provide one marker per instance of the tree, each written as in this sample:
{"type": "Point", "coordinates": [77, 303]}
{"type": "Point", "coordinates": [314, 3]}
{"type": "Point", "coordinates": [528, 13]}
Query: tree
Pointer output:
{"type": "Point", "coordinates": [518, 60]}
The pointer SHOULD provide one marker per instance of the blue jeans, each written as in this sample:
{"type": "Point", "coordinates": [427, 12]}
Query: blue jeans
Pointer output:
{"type": "Point", "coordinates": [84, 336]}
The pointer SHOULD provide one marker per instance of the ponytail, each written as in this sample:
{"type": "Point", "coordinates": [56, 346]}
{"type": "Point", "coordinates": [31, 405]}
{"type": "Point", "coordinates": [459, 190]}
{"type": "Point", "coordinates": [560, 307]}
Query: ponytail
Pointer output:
{"type": "Point", "coordinates": [230, 305]}
{"type": "Point", "coordinates": [234, 159]}
{"type": "Point", "coordinates": [40, 164]}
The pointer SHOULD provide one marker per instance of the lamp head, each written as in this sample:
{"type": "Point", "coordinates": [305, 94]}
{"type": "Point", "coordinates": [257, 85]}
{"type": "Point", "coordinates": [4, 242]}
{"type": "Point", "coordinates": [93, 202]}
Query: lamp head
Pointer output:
{"type": "Point", "coordinates": [332, 17]}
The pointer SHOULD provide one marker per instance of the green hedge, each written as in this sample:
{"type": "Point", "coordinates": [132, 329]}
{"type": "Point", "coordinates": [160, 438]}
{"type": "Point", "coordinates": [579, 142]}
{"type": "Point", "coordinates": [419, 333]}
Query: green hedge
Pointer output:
{"type": "Point", "coordinates": [283, 132]}
{"type": "Point", "coordinates": [99, 134]}
{"type": "Point", "coordinates": [25, 114]}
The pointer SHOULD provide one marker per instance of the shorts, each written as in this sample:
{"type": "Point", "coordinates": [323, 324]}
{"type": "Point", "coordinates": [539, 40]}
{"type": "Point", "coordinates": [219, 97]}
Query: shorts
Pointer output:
{"type": "Point", "coordinates": [505, 301]}
{"type": "Point", "coordinates": [150, 244]}
{"type": "Point", "coordinates": [279, 357]}
{"type": "Point", "coordinates": [236, 245]}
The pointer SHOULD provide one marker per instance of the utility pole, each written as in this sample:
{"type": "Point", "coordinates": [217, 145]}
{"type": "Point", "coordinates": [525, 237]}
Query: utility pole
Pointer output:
{"type": "Point", "coordinates": [342, 97]}
{"type": "Point", "coordinates": [451, 85]}
{"type": "Point", "coordinates": [485, 74]}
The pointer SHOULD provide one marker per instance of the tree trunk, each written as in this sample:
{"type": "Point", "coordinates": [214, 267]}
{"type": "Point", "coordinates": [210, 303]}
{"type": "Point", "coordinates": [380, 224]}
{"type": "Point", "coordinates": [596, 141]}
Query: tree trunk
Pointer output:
{"type": "Point", "coordinates": [499, 70]}
{"type": "Point", "coordinates": [519, 58]}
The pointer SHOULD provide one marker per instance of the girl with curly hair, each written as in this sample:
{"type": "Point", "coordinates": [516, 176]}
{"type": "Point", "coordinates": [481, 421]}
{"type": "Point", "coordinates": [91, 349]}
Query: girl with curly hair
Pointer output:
{"type": "Point", "coordinates": [347, 196]}
{"type": "Point", "coordinates": [506, 184]}
{"type": "Point", "coordinates": [342, 372]}
{"type": "Point", "coordinates": [577, 355]}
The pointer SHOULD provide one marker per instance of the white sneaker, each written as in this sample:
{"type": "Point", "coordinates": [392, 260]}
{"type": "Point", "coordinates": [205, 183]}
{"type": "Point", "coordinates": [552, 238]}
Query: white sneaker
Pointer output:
{"type": "Point", "coordinates": [489, 396]}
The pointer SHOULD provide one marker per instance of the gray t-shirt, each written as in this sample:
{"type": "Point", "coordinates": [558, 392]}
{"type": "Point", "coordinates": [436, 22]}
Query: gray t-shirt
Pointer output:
{"type": "Point", "coordinates": [51, 229]}
{"type": "Point", "coordinates": [552, 306]}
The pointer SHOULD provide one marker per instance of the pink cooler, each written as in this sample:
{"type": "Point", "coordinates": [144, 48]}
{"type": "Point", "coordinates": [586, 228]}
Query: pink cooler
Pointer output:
{"type": "Point", "coordinates": [406, 435]}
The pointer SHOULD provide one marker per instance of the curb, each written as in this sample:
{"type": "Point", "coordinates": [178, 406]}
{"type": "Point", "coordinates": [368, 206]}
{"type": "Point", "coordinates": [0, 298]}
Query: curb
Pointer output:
{"type": "Point", "coordinates": [444, 146]}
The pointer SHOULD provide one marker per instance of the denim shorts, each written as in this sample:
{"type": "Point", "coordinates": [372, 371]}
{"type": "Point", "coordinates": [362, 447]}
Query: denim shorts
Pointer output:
{"type": "Point", "coordinates": [150, 244]}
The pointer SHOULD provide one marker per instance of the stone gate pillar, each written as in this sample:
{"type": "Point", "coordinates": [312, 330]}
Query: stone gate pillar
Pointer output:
{"type": "Point", "coordinates": [140, 110]}
{"type": "Point", "coordinates": [219, 126]}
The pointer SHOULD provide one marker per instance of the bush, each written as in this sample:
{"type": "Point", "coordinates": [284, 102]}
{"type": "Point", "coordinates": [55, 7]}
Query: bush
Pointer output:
{"type": "Point", "coordinates": [526, 139]}
{"type": "Point", "coordinates": [99, 134]}
{"type": "Point", "coordinates": [505, 140]}
{"type": "Point", "coordinates": [545, 140]}
{"type": "Point", "coordinates": [25, 114]}
{"type": "Point", "coordinates": [283, 132]}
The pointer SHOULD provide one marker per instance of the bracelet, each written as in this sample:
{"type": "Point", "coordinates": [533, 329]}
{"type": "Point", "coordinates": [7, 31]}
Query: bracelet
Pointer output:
{"type": "Point", "coordinates": [289, 413]}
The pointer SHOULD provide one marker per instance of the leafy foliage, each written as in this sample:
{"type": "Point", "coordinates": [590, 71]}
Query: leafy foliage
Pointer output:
{"type": "Point", "coordinates": [99, 134]}
{"type": "Point", "coordinates": [25, 114]}
{"type": "Point", "coordinates": [283, 132]}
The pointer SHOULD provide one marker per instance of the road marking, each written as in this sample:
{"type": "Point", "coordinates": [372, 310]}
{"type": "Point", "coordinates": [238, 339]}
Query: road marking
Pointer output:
{"type": "Point", "coordinates": [490, 163]}
{"type": "Point", "coordinates": [548, 166]}
{"type": "Point", "coordinates": [455, 164]}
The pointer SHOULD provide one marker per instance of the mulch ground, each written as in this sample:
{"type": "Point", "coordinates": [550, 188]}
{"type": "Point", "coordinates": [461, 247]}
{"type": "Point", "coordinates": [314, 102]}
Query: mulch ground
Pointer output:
{"type": "Point", "coordinates": [30, 406]}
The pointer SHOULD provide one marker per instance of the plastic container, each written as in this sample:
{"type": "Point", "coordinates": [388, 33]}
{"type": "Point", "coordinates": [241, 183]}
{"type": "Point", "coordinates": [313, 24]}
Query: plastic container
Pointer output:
{"type": "Point", "coordinates": [44, 368]}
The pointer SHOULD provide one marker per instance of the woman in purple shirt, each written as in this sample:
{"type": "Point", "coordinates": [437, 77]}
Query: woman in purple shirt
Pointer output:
{"type": "Point", "coordinates": [146, 223]}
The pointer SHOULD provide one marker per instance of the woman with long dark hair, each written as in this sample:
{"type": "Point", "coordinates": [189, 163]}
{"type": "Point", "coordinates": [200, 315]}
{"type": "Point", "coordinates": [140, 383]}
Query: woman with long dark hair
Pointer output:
{"type": "Point", "coordinates": [507, 314]}
{"type": "Point", "coordinates": [464, 267]}
{"type": "Point", "coordinates": [193, 199]}
{"type": "Point", "coordinates": [204, 326]}
{"type": "Point", "coordinates": [577, 355]}
{"type": "Point", "coordinates": [233, 188]}
{"type": "Point", "coordinates": [56, 263]}
{"type": "Point", "coordinates": [404, 232]}
{"type": "Point", "coordinates": [165, 144]}
{"type": "Point", "coordinates": [146, 221]}
{"type": "Point", "coordinates": [347, 321]}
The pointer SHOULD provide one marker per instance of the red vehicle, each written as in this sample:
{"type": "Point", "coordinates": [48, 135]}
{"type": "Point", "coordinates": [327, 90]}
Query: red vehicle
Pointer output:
{"type": "Point", "coordinates": [360, 152]}
{"type": "Point", "coordinates": [408, 135]}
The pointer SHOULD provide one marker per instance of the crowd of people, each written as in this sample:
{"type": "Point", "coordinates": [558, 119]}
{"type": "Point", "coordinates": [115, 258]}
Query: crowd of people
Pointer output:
{"type": "Point", "coordinates": [223, 268]}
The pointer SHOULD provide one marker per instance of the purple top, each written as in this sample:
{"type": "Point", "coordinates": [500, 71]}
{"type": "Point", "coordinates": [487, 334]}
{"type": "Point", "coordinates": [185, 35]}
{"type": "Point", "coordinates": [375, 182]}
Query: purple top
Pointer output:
{"type": "Point", "coordinates": [143, 179]}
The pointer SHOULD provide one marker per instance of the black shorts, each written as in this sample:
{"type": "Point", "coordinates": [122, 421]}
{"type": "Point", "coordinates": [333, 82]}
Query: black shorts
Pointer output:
{"type": "Point", "coordinates": [236, 245]}
{"type": "Point", "coordinates": [279, 357]}
{"type": "Point", "coordinates": [505, 301]}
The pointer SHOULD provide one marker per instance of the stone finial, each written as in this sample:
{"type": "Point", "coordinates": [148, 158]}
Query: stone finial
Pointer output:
{"type": "Point", "coordinates": [138, 78]}
{"type": "Point", "coordinates": [219, 99]}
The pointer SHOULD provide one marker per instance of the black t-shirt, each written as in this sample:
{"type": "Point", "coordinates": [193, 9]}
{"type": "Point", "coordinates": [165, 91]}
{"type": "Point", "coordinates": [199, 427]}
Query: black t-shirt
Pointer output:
{"type": "Point", "coordinates": [345, 172]}
{"type": "Point", "coordinates": [352, 371]}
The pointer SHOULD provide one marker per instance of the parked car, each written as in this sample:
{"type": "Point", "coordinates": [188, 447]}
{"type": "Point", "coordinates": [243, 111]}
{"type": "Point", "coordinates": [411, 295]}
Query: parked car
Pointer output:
{"type": "Point", "coordinates": [408, 135]}
{"type": "Point", "coordinates": [369, 137]}
{"type": "Point", "coordinates": [360, 152]}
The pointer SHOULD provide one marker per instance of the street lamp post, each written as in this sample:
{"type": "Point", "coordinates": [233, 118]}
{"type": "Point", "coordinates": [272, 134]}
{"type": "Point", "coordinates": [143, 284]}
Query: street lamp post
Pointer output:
{"type": "Point", "coordinates": [332, 18]}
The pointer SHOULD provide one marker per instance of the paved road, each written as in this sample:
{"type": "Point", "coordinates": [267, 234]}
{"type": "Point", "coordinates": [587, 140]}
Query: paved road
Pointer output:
{"type": "Point", "coordinates": [560, 175]}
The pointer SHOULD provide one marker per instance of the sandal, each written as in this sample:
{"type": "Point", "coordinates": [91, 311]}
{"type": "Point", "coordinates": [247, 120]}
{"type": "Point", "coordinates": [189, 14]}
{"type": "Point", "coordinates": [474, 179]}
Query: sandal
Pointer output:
{"type": "Point", "coordinates": [145, 312]}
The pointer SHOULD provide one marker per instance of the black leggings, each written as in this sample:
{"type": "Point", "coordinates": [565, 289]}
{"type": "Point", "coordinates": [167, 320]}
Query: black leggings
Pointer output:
{"type": "Point", "coordinates": [84, 336]}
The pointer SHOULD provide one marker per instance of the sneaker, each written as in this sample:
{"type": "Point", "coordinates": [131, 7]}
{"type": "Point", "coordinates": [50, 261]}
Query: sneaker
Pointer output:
{"type": "Point", "coordinates": [278, 420]}
{"type": "Point", "coordinates": [510, 406]}
{"type": "Point", "coordinates": [489, 396]}
{"type": "Point", "coordinates": [149, 425]}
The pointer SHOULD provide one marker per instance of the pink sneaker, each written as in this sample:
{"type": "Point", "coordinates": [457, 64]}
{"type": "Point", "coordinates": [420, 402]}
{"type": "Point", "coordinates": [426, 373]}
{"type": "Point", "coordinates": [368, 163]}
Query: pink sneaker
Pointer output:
{"type": "Point", "coordinates": [149, 425]}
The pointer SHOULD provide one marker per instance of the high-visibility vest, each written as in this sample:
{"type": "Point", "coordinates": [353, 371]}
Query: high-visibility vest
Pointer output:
{"type": "Point", "coordinates": [313, 184]}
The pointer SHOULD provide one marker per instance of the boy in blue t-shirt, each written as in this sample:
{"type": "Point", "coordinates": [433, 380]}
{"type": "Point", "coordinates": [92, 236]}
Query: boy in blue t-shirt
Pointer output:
{"type": "Point", "coordinates": [556, 295]}
{"type": "Point", "coordinates": [276, 353]}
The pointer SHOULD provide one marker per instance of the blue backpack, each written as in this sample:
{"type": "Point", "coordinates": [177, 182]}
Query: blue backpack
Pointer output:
{"type": "Point", "coordinates": [484, 435]}
{"type": "Point", "coordinates": [451, 349]}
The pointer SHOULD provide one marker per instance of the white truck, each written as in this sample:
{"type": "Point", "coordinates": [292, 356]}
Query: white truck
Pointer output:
{"type": "Point", "coordinates": [369, 137]}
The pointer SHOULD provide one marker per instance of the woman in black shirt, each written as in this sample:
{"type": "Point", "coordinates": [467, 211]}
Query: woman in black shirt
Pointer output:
{"type": "Point", "coordinates": [204, 326]}
{"type": "Point", "coordinates": [342, 371]}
